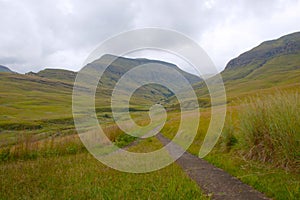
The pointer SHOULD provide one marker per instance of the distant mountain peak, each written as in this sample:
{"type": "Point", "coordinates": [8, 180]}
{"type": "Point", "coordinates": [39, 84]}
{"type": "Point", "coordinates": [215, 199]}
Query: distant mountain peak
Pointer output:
{"type": "Point", "coordinates": [284, 45]}
{"type": "Point", "coordinates": [256, 58]}
{"type": "Point", "coordinates": [120, 65]}
{"type": "Point", "coordinates": [112, 57]}
{"type": "Point", "coordinates": [58, 74]}
{"type": "Point", "coordinates": [5, 69]}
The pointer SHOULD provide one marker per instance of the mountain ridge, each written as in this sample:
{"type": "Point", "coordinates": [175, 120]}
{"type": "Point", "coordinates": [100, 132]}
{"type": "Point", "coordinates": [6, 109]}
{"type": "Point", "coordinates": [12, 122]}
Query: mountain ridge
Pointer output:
{"type": "Point", "coordinates": [260, 55]}
{"type": "Point", "coordinates": [5, 69]}
{"type": "Point", "coordinates": [120, 66]}
{"type": "Point", "coordinates": [276, 67]}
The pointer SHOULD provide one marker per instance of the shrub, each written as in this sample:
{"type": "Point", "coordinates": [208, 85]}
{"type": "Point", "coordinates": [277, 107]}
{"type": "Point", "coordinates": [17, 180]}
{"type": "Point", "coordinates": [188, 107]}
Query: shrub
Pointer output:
{"type": "Point", "coordinates": [124, 140]}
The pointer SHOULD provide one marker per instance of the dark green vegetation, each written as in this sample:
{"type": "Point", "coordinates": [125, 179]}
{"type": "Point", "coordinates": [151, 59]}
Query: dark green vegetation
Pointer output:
{"type": "Point", "coordinates": [41, 157]}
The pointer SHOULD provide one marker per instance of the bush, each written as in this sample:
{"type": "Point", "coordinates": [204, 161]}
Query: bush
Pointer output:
{"type": "Point", "coordinates": [124, 140]}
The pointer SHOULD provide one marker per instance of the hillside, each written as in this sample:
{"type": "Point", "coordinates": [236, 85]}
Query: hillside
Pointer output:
{"type": "Point", "coordinates": [121, 65]}
{"type": "Point", "coordinates": [258, 57]}
{"type": "Point", "coordinates": [272, 64]}
{"type": "Point", "coordinates": [57, 74]}
{"type": "Point", "coordinates": [116, 69]}
{"type": "Point", "coordinates": [30, 101]}
{"type": "Point", "coordinates": [5, 69]}
{"type": "Point", "coordinates": [148, 94]}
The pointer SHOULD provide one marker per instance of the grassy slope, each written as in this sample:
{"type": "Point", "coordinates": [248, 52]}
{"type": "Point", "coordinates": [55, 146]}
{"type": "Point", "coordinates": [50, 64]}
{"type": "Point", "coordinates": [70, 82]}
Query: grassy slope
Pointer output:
{"type": "Point", "coordinates": [43, 105]}
{"type": "Point", "coordinates": [278, 72]}
{"type": "Point", "coordinates": [59, 74]}
{"type": "Point", "coordinates": [33, 105]}
{"type": "Point", "coordinates": [282, 72]}
{"type": "Point", "coordinates": [26, 98]}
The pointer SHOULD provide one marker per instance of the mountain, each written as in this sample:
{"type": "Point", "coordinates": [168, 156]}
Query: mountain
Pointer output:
{"type": "Point", "coordinates": [5, 69]}
{"type": "Point", "coordinates": [34, 100]}
{"type": "Point", "coordinates": [270, 66]}
{"type": "Point", "coordinates": [28, 100]}
{"type": "Point", "coordinates": [115, 70]}
{"type": "Point", "coordinates": [287, 48]}
{"type": "Point", "coordinates": [121, 65]}
{"type": "Point", "coordinates": [57, 74]}
{"type": "Point", "coordinates": [147, 94]}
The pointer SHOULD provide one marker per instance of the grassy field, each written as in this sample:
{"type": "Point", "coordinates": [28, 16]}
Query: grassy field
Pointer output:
{"type": "Point", "coordinates": [60, 165]}
{"type": "Point", "coordinates": [77, 175]}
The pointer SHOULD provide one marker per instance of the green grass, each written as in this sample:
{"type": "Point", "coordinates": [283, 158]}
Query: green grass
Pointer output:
{"type": "Point", "coordinates": [29, 148]}
{"type": "Point", "coordinates": [270, 129]}
{"type": "Point", "coordinates": [80, 176]}
{"type": "Point", "coordinates": [33, 105]}
{"type": "Point", "coordinates": [272, 164]}
{"type": "Point", "coordinates": [278, 72]}
{"type": "Point", "coordinates": [43, 106]}
{"type": "Point", "coordinates": [260, 144]}
{"type": "Point", "coordinates": [281, 72]}
{"type": "Point", "coordinates": [274, 182]}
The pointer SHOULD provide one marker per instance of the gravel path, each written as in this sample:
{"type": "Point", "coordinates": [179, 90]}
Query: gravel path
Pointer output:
{"type": "Point", "coordinates": [212, 180]}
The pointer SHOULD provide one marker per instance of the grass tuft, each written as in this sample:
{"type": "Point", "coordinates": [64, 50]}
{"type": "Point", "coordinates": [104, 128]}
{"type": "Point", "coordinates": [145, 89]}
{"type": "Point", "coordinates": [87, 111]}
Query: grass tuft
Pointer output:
{"type": "Point", "coordinates": [270, 129]}
{"type": "Point", "coordinates": [228, 139]}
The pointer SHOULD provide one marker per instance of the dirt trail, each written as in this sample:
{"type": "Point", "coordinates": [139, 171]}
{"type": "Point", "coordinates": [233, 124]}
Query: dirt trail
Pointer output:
{"type": "Point", "coordinates": [213, 180]}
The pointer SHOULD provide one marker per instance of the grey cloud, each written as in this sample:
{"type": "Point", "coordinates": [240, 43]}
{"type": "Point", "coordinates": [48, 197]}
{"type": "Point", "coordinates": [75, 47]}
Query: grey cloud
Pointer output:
{"type": "Point", "coordinates": [61, 33]}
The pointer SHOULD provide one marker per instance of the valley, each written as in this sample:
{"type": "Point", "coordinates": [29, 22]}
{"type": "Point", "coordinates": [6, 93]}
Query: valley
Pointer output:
{"type": "Point", "coordinates": [42, 157]}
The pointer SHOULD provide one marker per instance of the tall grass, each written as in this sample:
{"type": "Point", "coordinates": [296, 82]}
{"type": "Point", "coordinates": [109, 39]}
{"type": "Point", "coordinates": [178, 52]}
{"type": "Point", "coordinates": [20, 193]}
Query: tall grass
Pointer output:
{"type": "Point", "coordinates": [269, 129]}
{"type": "Point", "coordinates": [81, 176]}
{"type": "Point", "coordinates": [29, 148]}
{"type": "Point", "coordinates": [228, 138]}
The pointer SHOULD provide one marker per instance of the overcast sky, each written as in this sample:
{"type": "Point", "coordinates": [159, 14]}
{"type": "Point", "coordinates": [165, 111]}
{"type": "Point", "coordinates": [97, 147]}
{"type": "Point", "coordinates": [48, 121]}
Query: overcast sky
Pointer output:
{"type": "Point", "coordinates": [62, 33]}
